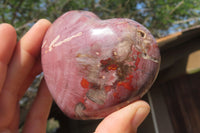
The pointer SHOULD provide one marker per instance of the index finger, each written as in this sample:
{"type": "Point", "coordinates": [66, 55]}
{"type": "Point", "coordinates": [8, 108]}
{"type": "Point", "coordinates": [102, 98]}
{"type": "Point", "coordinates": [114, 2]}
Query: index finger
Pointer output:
{"type": "Point", "coordinates": [26, 53]}
{"type": "Point", "coordinates": [8, 39]}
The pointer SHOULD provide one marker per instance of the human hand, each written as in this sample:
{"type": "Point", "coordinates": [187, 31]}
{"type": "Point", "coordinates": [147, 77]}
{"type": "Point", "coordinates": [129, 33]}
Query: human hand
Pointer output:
{"type": "Point", "coordinates": [19, 64]}
{"type": "Point", "coordinates": [125, 120]}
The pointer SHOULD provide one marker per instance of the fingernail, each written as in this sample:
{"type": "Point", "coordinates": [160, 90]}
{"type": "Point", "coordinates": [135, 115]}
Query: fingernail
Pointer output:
{"type": "Point", "coordinates": [140, 115]}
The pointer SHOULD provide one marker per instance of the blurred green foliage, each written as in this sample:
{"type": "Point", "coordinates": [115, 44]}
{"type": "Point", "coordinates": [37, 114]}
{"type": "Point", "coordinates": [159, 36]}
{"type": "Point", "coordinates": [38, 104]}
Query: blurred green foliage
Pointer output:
{"type": "Point", "coordinates": [52, 125]}
{"type": "Point", "coordinates": [161, 17]}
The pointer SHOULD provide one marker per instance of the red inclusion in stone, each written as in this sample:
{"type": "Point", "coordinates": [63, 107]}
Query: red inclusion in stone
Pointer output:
{"type": "Point", "coordinates": [126, 84]}
{"type": "Point", "coordinates": [85, 83]}
{"type": "Point", "coordinates": [112, 67]}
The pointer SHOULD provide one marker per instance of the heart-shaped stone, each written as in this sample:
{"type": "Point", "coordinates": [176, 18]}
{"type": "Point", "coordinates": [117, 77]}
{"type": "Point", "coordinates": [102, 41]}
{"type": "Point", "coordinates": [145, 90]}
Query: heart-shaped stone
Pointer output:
{"type": "Point", "coordinates": [93, 67]}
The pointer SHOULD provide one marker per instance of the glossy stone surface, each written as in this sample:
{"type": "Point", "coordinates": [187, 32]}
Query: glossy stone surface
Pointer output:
{"type": "Point", "coordinates": [94, 67]}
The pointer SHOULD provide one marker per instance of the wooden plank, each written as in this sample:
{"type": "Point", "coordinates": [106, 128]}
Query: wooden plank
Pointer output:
{"type": "Point", "coordinates": [169, 57]}
{"type": "Point", "coordinates": [182, 98]}
{"type": "Point", "coordinates": [159, 111]}
{"type": "Point", "coordinates": [178, 38]}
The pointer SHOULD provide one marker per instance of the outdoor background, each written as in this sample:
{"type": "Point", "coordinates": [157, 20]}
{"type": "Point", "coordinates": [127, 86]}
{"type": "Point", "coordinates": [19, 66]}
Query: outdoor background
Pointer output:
{"type": "Point", "coordinates": [161, 17]}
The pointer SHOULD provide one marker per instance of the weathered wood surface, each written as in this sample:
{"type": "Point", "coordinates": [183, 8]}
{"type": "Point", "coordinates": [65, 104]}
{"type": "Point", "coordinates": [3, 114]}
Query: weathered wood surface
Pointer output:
{"type": "Point", "coordinates": [181, 56]}
{"type": "Point", "coordinates": [175, 50]}
{"type": "Point", "coordinates": [182, 97]}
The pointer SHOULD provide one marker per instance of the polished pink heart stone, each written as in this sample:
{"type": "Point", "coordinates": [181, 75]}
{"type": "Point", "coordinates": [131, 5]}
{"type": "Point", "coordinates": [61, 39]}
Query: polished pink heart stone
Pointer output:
{"type": "Point", "coordinates": [94, 67]}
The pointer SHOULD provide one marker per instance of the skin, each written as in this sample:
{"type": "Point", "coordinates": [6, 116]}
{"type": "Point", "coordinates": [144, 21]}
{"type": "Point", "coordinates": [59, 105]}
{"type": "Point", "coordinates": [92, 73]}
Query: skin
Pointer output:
{"type": "Point", "coordinates": [20, 63]}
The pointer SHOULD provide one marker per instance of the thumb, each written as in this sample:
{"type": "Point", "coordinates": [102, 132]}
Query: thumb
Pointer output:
{"type": "Point", "coordinates": [125, 120]}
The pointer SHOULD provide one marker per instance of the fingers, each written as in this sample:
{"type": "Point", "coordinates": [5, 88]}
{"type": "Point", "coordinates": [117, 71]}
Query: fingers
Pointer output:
{"type": "Point", "coordinates": [13, 127]}
{"type": "Point", "coordinates": [125, 120]}
{"type": "Point", "coordinates": [38, 114]}
{"type": "Point", "coordinates": [20, 66]}
{"type": "Point", "coordinates": [36, 70]}
{"type": "Point", "coordinates": [8, 39]}
{"type": "Point", "coordinates": [25, 56]}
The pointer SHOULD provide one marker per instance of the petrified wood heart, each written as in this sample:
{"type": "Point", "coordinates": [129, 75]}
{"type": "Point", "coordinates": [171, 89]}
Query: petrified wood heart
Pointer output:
{"type": "Point", "coordinates": [94, 67]}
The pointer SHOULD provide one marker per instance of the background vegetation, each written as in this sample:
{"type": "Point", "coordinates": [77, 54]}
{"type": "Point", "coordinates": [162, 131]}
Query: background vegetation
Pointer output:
{"type": "Point", "coordinates": [161, 17]}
